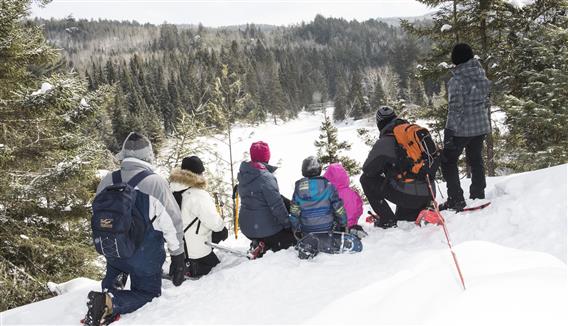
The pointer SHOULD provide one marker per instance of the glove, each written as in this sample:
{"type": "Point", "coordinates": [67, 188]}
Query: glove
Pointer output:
{"type": "Point", "coordinates": [177, 269]}
{"type": "Point", "coordinates": [449, 139]}
{"type": "Point", "coordinates": [222, 235]}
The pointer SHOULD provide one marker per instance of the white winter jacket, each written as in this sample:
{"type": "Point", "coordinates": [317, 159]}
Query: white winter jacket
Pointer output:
{"type": "Point", "coordinates": [198, 207]}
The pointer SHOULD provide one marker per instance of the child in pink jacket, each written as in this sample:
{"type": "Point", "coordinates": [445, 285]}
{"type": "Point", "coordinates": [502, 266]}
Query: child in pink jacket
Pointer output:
{"type": "Point", "coordinates": [352, 202]}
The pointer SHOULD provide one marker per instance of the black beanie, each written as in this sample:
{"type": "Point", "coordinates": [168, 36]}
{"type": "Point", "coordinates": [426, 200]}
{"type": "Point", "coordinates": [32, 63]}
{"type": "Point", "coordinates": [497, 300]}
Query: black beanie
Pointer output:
{"type": "Point", "coordinates": [193, 164]}
{"type": "Point", "coordinates": [385, 114]}
{"type": "Point", "coordinates": [461, 53]}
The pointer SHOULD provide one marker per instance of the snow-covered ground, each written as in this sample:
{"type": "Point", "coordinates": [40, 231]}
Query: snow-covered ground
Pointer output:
{"type": "Point", "coordinates": [512, 254]}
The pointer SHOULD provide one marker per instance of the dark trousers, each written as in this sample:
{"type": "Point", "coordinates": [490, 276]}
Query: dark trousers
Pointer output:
{"type": "Point", "coordinates": [143, 288]}
{"type": "Point", "coordinates": [378, 191]}
{"type": "Point", "coordinates": [281, 240]}
{"type": "Point", "coordinates": [203, 265]}
{"type": "Point", "coordinates": [473, 148]}
{"type": "Point", "coordinates": [145, 271]}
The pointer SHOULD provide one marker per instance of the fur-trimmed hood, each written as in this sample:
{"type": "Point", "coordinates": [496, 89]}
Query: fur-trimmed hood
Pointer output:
{"type": "Point", "coordinates": [187, 178]}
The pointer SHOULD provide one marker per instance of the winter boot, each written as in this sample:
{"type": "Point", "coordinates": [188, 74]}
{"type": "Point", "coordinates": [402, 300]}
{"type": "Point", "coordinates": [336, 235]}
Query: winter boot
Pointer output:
{"type": "Point", "coordinates": [454, 204]}
{"type": "Point", "coordinates": [477, 194]}
{"type": "Point", "coordinates": [100, 310]}
{"type": "Point", "coordinates": [257, 249]}
{"type": "Point", "coordinates": [357, 230]}
{"type": "Point", "coordinates": [385, 224]}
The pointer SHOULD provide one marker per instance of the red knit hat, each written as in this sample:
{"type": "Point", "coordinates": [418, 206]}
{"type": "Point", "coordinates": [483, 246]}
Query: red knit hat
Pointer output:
{"type": "Point", "coordinates": [259, 152]}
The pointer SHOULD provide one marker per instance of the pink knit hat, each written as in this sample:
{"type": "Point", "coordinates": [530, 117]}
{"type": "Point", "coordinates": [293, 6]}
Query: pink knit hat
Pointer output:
{"type": "Point", "coordinates": [259, 152]}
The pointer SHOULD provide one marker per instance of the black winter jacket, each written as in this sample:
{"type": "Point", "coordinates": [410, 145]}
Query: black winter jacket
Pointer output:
{"type": "Point", "coordinates": [262, 212]}
{"type": "Point", "coordinates": [382, 160]}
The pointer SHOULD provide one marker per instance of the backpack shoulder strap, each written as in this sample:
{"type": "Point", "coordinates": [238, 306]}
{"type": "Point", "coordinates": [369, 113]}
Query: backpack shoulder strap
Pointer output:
{"type": "Point", "coordinates": [116, 177]}
{"type": "Point", "coordinates": [139, 177]}
{"type": "Point", "coordinates": [190, 224]}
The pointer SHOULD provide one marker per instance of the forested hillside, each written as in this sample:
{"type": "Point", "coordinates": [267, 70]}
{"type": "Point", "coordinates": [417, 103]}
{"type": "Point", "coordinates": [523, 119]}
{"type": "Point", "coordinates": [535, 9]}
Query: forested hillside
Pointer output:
{"type": "Point", "coordinates": [71, 90]}
{"type": "Point", "coordinates": [163, 71]}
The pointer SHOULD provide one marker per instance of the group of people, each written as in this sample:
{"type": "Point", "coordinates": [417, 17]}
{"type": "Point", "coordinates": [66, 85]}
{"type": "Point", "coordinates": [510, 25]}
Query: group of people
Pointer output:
{"type": "Point", "coordinates": [319, 203]}
{"type": "Point", "coordinates": [184, 215]}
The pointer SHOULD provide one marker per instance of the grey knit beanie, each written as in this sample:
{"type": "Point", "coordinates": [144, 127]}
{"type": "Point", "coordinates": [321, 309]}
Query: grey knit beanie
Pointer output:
{"type": "Point", "coordinates": [137, 146]}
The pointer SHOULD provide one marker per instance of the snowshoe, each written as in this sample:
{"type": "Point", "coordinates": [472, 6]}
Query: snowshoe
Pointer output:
{"type": "Point", "coordinates": [328, 242]}
{"type": "Point", "coordinates": [99, 312]}
{"type": "Point", "coordinates": [476, 208]}
{"type": "Point", "coordinates": [428, 216]}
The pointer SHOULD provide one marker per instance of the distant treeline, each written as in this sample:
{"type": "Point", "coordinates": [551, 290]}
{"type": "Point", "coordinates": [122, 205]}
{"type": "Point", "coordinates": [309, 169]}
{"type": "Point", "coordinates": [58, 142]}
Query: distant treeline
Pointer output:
{"type": "Point", "coordinates": [163, 70]}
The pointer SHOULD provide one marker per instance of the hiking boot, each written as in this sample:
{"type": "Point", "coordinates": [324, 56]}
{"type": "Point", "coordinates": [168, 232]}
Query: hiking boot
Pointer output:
{"type": "Point", "coordinates": [357, 230]}
{"type": "Point", "coordinates": [100, 309]}
{"type": "Point", "coordinates": [257, 249]}
{"type": "Point", "coordinates": [477, 195]}
{"type": "Point", "coordinates": [385, 223]}
{"type": "Point", "coordinates": [454, 204]}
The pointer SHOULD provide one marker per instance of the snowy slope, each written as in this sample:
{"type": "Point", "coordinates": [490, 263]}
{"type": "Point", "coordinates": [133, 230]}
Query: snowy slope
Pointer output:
{"type": "Point", "coordinates": [512, 254]}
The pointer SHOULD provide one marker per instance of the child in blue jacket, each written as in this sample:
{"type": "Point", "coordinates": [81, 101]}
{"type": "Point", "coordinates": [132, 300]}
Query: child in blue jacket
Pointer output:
{"type": "Point", "coordinates": [315, 205]}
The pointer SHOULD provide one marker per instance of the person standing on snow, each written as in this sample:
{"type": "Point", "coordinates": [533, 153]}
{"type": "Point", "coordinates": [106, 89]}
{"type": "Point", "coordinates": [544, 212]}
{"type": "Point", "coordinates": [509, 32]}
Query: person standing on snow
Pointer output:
{"type": "Point", "coordinates": [200, 217]}
{"type": "Point", "coordinates": [466, 126]}
{"type": "Point", "coordinates": [379, 179]}
{"type": "Point", "coordinates": [352, 202]}
{"type": "Point", "coordinates": [263, 217]}
{"type": "Point", "coordinates": [315, 205]}
{"type": "Point", "coordinates": [162, 216]}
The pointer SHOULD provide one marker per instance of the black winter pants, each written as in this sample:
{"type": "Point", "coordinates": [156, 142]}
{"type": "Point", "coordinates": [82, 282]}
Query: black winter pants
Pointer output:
{"type": "Point", "coordinates": [281, 240]}
{"type": "Point", "coordinates": [377, 189]}
{"type": "Point", "coordinates": [473, 147]}
{"type": "Point", "coordinates": [203, 265]}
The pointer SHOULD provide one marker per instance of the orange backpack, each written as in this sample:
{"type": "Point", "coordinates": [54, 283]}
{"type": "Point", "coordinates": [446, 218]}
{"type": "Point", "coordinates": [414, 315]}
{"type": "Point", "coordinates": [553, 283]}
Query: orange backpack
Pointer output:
{"type": "Point", "coordinates": [419, 152]}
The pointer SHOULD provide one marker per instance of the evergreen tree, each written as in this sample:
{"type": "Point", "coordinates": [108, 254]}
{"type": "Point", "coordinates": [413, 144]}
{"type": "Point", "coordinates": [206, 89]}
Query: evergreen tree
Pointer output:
{"type": "Point", "coordinates": [50, 150]}
{"type": "Point", "coordinates": [341, 103]}
{"type": "Point", "coordinates": [227, 102]}
{"type": "Point", "coordinates": [535, 71]}
{"type": "Point", "coordinates": [329, 148]}
{"type": "Point", "coordinates": [379, 97]}
{"type": "Point", "coordinates": [357, 100]}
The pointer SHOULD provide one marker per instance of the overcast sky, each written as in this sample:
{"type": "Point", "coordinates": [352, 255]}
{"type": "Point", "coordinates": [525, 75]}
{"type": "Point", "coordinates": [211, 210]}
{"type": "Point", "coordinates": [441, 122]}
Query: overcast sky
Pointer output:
{"type": "Point", "coordinates": [229, 12]}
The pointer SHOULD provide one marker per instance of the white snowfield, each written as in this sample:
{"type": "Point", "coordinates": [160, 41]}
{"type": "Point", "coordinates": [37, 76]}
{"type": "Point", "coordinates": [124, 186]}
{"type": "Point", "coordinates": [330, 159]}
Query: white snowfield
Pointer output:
{"type": "Point", "coordinates": [512, 255]}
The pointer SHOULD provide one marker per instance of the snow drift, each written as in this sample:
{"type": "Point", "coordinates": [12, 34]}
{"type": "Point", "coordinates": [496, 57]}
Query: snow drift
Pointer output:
{"type": "Point", "coordinates": [512, 254]}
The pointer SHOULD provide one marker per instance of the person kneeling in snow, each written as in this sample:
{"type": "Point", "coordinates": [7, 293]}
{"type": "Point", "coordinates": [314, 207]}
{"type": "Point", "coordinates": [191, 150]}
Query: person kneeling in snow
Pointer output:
{"type": "Point", "coordinates": [263, 217]}
{"type": "Point", "coordinates": [315, 205]}
{"type": "Point", "coordinates": [379, 179]}
{"type": "Point", "coordinates": [352, 202]}
{"type": "Point", "coordinates": [158, 214]}
{"type": "Point", "coordinates": [200, 217]}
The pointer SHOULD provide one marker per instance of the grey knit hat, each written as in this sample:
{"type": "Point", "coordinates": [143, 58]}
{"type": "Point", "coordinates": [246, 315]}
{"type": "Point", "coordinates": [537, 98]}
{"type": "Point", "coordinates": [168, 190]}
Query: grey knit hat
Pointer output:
{"type": "Point", "coordinates": [137, 146]}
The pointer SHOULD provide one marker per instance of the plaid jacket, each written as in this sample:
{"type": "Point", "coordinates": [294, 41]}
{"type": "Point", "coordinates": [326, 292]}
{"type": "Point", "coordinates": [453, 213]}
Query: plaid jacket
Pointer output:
{"type": "Point", "coordinates": [468, 100]}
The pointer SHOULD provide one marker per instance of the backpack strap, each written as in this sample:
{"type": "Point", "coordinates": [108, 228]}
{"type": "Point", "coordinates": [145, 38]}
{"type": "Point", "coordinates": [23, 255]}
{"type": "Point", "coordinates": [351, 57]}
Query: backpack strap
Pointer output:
{"type": "Point", "coordinates": [186, 228]}
{"type": "Point", "coordinates": [116, 177]}
{"type": "Point", "coordinates": [139, 177]}
{"type": "Point", "coordinates": [190, 224]}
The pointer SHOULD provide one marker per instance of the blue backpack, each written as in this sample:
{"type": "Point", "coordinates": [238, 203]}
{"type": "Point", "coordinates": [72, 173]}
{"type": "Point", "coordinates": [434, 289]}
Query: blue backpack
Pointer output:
{"type": "Point", "coordinates": [118, 224]}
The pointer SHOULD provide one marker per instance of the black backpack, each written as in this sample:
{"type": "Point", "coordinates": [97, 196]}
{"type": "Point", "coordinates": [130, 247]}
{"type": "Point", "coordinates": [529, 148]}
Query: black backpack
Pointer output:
{"type": "Point", "coordinates": [118, 225]}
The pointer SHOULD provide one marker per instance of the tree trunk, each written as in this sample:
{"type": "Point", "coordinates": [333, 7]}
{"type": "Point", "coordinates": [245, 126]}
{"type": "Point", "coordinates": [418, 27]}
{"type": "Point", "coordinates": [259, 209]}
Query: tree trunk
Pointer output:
{"type": "Point", "coordinates": [454, 28]}
{"type": "Point", "coordinates": [484, 6]}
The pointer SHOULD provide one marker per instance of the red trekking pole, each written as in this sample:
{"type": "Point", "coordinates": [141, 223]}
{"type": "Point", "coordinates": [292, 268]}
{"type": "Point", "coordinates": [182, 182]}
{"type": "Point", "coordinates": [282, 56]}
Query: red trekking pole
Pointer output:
{"type": "Point", "coordinates": [445, 231]}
